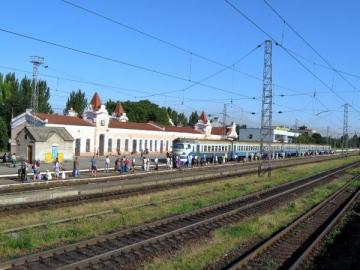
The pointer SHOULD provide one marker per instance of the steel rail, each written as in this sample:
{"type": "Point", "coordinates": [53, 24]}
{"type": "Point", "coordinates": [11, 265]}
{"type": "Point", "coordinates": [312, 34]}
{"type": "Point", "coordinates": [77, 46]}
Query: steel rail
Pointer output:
{"type": "Point", "coordinates": [309, 252]}
{"type": "Point", "coordinates": [205, 219]}
{"type": "Point", "coordinates": [122, 191]}
{"type": "Point", "coordinates": [243, 262]}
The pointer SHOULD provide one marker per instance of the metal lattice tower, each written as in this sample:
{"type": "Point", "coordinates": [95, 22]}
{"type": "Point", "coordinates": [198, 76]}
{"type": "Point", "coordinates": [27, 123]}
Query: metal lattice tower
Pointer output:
{"type": "Point", "coordinates": [224, 120]}
{"type": "Point", "coordinates": [345, 129]}
{"type": "Point", "coordinates": [37, 62]}
{"type": "Point", "coordinates": [266, 109]}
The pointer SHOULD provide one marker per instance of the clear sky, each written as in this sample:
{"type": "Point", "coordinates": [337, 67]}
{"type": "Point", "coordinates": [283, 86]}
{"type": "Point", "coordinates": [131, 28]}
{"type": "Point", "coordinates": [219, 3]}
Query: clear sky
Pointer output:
{"type": "Point", "coordinates": [209, 28]}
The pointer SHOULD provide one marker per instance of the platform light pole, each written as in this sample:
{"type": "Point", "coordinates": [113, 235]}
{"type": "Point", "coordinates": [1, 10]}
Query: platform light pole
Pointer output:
{"type": "Point", "coordinates": [36, 61]}
{"type": "Point", "coordinates": [266, 110]}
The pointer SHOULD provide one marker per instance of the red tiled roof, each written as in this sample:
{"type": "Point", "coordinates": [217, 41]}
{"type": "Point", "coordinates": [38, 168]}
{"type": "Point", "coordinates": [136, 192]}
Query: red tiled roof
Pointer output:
{"type": "Point", "coordinates": [217, 131]}
{"type": "Point", "coordinates": [133, 125]}
{"type": "Point", "coordinates": [63, 119]}
{"type": "Point", "coordinates": [151, 126]}
{"type": "Point", "coordinates": [203, 117]}
{"type": "Point", "coordinates": [119, 110]}
{"type": "Point", "coordinates": [96, 102]}
{"type": "Point", "coordinates": [182, 129]}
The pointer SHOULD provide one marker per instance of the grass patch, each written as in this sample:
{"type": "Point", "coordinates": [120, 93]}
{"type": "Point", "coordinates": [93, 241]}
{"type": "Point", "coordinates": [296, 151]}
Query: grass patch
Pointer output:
{"type": "Point", "coordinates": [56, 235]}
{"type": "Point", "coordinates": [251, 230]}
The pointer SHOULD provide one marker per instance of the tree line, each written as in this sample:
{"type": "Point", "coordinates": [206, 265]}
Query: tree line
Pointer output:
{"type": "Point", "coordinates": [15, 98]}
{"type": "Point", "coordinates": [16, 95]}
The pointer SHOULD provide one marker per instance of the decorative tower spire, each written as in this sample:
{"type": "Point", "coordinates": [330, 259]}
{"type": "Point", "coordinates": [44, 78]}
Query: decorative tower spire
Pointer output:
{"type": "Point", "coordinates": [119, 113]}
{"type": "Point", "coordinates": [119, 110]}
{"type": "Point", "coordinates": [203, 117]}
{"type": "Point", "coordinates": [95, 102]}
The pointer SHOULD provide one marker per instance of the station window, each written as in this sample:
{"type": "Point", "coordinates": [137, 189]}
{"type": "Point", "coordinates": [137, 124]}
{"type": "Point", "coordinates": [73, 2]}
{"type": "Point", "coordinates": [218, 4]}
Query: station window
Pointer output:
{"type": "Point", "coordinates": [126, 145]}
{"type": "Point", "coordinates": [155, 146]}
{"type": "Point", "coordinates": [87, 149]}
{"type": "Point", "coordinates": [212, 148]}
{"type": "Point", "coordinates": [118, 145]}
{"type": "Point", "coordinates": [110, 145]}
{"type": "Point", "coordinates": [140, 145]}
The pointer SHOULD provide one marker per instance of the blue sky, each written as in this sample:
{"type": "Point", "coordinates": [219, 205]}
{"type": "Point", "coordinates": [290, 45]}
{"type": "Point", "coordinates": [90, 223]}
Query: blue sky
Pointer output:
{"type": "Point", "coordinates": [207, 28]}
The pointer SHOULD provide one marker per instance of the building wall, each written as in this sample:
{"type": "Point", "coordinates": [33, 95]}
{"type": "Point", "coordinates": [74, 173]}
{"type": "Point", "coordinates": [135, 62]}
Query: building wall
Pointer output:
{"type": "Point", "coordinates": [91, 134]}
{"type": "Point", "coordinates": [24, 140]}
{"type": "Point", "coordinates": [80, 132]}
{"type": "Point", "coordinates": [253, 135]}
{"type": "Point", "coordinates": [65, 148]}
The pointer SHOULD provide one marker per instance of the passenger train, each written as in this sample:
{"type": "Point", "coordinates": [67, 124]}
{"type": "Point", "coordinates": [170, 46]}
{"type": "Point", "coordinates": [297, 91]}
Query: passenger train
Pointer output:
{"type": "Point", "coordinates": [209, 149]}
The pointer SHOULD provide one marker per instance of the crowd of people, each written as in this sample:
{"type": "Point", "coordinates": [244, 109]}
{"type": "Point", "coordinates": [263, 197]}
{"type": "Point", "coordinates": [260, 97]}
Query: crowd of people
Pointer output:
{"type": "Point", "coordinates": [9, 158]}
{"type": "Point", "coordinates": [120, 165]}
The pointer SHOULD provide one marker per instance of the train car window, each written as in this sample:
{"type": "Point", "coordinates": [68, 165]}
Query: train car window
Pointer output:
{"type": "Point", "coordinates": [177, 146]}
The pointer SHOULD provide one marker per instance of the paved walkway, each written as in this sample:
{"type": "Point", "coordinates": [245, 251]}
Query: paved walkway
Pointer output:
{"type": "Point", "coordinates": [84, 162]}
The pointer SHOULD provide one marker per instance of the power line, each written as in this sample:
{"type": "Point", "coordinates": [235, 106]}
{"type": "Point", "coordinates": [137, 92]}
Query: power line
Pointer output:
{"type": "Point", "coordinates": [171, 44]}
{"type": "Point", "coordinates": [287, 51]}
{"type": "Point", "coordinates": [213, 75]}
{"type": "Point", "coordinates": [117, 61]}
{"type": "Point", "coordinates": [308, 44]}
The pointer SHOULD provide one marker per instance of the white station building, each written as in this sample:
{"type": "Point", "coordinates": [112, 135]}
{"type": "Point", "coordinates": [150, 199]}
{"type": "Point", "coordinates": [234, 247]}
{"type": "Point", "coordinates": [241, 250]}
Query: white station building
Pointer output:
{"type": "Point", "coordinates": [277, 134]}
{"type": "Point", "coordinates": [98, 133]}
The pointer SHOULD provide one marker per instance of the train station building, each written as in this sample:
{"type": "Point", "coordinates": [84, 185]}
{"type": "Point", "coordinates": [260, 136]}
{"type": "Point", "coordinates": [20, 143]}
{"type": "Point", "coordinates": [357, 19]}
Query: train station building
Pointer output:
{"type": "Point", "coordinates": [276, 134]}
{"type": "Point", "coordinates": [99, 133]}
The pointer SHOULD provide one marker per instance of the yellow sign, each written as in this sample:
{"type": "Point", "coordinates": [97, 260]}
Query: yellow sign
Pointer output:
{"type": "Point", "coordinates": [48, 157]}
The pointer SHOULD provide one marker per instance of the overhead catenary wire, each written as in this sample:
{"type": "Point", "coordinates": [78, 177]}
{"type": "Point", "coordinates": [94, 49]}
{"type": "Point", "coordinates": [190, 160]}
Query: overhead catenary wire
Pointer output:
{"type": "Point", "coordinates": [308, 44]}
{"type": "Point", "coordinates": [113, 60]}
{"type": "Point", "coordinates": [165, 42]}
{"type": "Point", "coordinates": [288, 52]}
{"type": "Point", "coordinates": [213, 75]}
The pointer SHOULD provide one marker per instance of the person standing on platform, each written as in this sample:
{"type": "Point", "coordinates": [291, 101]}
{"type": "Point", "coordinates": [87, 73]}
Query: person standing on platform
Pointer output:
{"type": "Point", "coordinates": [13, 160]}
{"type": "Point", "coordinates": [93, 166]}
{"type": "Point", "coordinates": [76, 172]}
{"type": "Point", "coordinates": [133, 164]}
{"type": "Point", "coordinates": [147, 164]}
{"type": "Point", "coordinates": [23, 171]}
{"type": "Point", "coordinates": [156, 164]}
{"type": "Point", "coordinates": [107, 164]}
{"type": "Point", "coordinates": [57, 168]}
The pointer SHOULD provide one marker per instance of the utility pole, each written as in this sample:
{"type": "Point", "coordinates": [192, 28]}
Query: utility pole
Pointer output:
{"type": "Point", "coordinates": [37, 62]}
{"type": "Point", "coordinates": [266, 109]}
{"type": "Point", "coordinates": [224, 119]}
{"type": "Point", "coordinates": [345, 130]}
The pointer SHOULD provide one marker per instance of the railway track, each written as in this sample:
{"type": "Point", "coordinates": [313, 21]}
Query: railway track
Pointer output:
{"type": "Point", "coordinates": [125, 248]}
{"type": "Point", "coordinates": [37, 185]}
{"type": "Point", "coordinates": [122, 191]}
{"type": "Point", "coordinates": [295, 245]}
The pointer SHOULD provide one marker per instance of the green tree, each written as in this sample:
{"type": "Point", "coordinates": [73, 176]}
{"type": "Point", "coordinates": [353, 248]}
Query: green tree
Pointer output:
{"type": "Point", "coordinates": [144, 111]}
{"type": "Point", "coordinates": [4, 136]}
{"type": "Point", "coordinates": [318, 139]}
{"type": "Point", "coordinates": [193, 118]}
{"type": "Point", "coordinates": [77, 102]}
{"type": "Point", "coordinates": [15, 97]}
